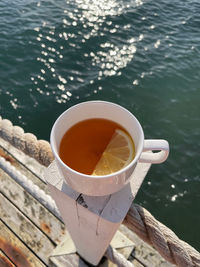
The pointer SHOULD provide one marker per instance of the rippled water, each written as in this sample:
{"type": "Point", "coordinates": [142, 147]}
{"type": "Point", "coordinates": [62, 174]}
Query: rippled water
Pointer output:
{"type": "Point", "coordinates": [141, 54]}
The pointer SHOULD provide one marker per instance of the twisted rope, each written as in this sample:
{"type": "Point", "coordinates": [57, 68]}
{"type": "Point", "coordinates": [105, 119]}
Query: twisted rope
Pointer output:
{"type": "Point", "coordinates": [49, 203]}
{"type": "Point", "coordinates": [26, 142]}
{"type": "Point", "coordinates": [30, 187]}
{"type": "Point", "coordinates": [138, 219]}
{"type": "Point", "coordinates": [117, 258]}
{"type": "Point", "coordinates": [170, 247]}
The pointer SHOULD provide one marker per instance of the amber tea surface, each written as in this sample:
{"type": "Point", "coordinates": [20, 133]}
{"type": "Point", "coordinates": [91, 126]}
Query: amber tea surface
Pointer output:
{"type": "Point", "coordinates": [83, 144]}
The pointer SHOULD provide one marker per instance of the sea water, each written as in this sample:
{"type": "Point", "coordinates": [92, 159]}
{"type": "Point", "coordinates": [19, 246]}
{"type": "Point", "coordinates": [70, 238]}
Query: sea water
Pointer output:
{"type": "Point", "coordinates": [141, 54]}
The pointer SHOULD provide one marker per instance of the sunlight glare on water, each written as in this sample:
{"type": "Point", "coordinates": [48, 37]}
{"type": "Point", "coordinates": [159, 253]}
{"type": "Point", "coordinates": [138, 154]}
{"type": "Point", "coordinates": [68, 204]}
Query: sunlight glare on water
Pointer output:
{"type": "Point", "coordinates": [87, 20]}
{"type": "Point", "coordinates": [143, 55]}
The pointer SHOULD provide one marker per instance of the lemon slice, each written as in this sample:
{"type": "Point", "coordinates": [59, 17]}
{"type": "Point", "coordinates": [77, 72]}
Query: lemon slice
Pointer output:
{"type": "Point", "coordinates": [119, 153]}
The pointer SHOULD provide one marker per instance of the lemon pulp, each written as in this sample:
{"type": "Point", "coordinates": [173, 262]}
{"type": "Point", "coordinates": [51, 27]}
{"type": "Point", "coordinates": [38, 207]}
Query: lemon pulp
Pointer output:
{"type": "Point", "coordinates": [119, 153]}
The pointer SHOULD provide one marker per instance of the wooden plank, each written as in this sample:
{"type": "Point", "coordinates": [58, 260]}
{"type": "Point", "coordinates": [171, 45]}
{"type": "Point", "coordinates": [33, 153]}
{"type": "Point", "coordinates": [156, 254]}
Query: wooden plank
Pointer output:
{"type": "Point", "coordinates": [144, 254]}
{"type": "Point", "coordinates": [47, 222]}
{"type": "Point", "coordinates": [5, 261]}
{"type": "Point", "coordinates": [82, 222]}
{"type": "Point", "coordinates": [21, 167]}
{"type": "Point", "coordinates": [25, 230]}
{"type": "Point", "coordinates": [93, 220]}
{"type": "Point", "coordinates": [36, 212]}
{"type": "Point", "coordinates": [17, 252]}
{"type": "Point", "coordinates": [138, 264]}
{"type": "Point", "coordinates": [29, 162]}
{"type": "Point", "coordinates": [72, 260]}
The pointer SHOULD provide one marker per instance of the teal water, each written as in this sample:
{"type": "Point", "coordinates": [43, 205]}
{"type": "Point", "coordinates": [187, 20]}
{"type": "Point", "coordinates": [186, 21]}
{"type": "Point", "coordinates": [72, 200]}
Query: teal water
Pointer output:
{"type": "Point", "coordinates": [141, 54]}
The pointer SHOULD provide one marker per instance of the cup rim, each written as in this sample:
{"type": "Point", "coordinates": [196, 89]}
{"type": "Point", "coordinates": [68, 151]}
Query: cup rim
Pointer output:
{"type": "Point", "coordinates": [54, 149]}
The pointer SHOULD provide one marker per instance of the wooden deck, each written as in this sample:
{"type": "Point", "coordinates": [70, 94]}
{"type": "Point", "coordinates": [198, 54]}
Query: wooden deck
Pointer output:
{"type": "Point", "coordinates": [29, 232]}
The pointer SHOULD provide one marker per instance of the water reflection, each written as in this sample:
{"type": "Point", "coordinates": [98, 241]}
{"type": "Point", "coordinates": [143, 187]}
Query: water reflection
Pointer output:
{"type": "Point", "coordinates": [112, 58]}
{"type": "Point", "coordinates": [79, 24]}
{"type": "Point", "coordinates": [143, 56]}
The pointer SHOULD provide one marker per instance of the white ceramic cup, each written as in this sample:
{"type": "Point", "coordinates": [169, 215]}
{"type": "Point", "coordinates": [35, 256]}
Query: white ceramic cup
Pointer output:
{"type": "Point", "coordinates": [108, 184]}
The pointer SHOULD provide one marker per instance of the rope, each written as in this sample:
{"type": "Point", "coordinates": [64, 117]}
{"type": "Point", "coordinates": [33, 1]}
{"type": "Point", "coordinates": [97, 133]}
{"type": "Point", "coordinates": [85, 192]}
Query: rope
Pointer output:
{"type": "Point", "coordinates": [170, 247]}
{"type": "Point", "coordinates": [26, 142]}
{"type": "Point", "coordinates": [49, 203]}
{"type": "Point", "coordinates": [117, 258]}
{"type": "Point", "coordinates": [30, 187]}
{"type": "Point", "coordinates": [138, 219]}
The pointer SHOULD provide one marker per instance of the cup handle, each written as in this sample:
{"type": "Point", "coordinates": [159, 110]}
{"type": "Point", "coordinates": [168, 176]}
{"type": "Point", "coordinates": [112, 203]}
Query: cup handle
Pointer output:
{"type": "Point", "coordinates": [157, 157]}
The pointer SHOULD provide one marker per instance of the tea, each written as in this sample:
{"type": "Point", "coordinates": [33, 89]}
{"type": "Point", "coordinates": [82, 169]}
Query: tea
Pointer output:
{"type": "Point", "coordinates": [84, 143]}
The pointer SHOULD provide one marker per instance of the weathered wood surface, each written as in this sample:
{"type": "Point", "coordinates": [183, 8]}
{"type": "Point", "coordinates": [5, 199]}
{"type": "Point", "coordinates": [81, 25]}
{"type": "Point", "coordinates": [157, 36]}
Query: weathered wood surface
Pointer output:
{"type": "Point", "coordinates": [71, 260]}
{"type": "Point", "coordinates": [4, 260]}
{"type": "Point", "coordinates": [35, 216]}
{"type": "Point", "coordinates": [29, 206]}
{"type": "Point", "coordinates": [93, 220]}
{"type": "Point", "coordinates": [25, 170]}
{"type": "Point", "coordinates": [25, 229]}
{"type": "Point", "coordinates": [143, 254]}
{"type": "Point", "coordinates": [15, 250]}
{"type": "Point", "coordinates": [25, 160]}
